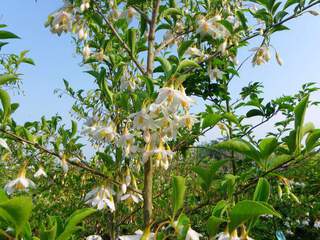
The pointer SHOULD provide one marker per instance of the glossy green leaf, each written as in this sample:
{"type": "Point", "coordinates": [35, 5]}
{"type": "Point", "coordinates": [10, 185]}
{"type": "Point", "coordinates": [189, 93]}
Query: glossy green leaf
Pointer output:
{"type": "Point", "coordinates": [183, 47]}
{"type": "Point", "coordinates": [312, 140]}
{"type": "Point", "coordinates": [7, 78]}
{"type": "Point", "coordinates": [7, 35]}
{"type": "Point", "coordinates": [187, 64]}
{"type": "Point", "coordinates": [16, 211]}
{"type": "Point", "coordinates": [267, 146]}
{"type": "Point", "coordinates": [179, 189]}
{"type": "Point", "coordinates": [213, 225]}
{"type": "Point", "coordinates": [6, 104]}
{"type": "Point", "coordinates": [239, 146]}
{"type": "Point", "coordinates": [248, 209]}
{"type": "Point", "coordinates": [262, 191]}
{"type": "Point", "coordinates": [73, 221]}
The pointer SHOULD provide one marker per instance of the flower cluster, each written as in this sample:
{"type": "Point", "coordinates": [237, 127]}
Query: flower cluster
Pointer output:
{"type": "Point", "coordinates": [101, 197]}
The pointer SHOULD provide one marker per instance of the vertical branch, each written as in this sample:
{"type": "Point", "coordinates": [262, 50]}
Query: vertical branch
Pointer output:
{"type": "Point", "coordinates": [148, 168]}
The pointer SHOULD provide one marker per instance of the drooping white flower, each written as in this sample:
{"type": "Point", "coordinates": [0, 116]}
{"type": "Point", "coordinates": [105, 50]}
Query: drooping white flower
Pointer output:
{"type": "Point", "coordinates": [21, 183]}
{"type": "Point", "coordinates": [135, 197]}
{"type": "Point", "coordinates": [215, 74]}
{"type": "Point", "coordinates": [4, 144]}
{"type": "Point", "coordinates": [94, 237]}
{"type": "Point", "coordinates": [162, 155]}
{"type": "Point", "coordinates": [62, 22]}
{"type": "Point", "coordinates": [86, 52]}
{"type": "Point", "coordinates": [84, 5]}
{"type": "Point", "coordinates": [126, 140]}
{"type": "Point", "coordinates": [188, 120]}
{"type": "Point", "coordinates": [317, 224]}
{"type": "Point", "coordinates": [261, 56]}
{"type": "Point", "coordinates": [64, 164]}
{"type": "Point", "coordinates": [101, 197]}
{"type": "Point", "coordinates": [192, 235]}
{"type": "Point", "coordinates": [137, 236]}
{"type": "Point", "coordinates": [82, 34]}
{"type": "Point", "coordinates": [129, 14]}
{"type": "Point", "coordinates": [142, 120]}
{"type": "Point", "coordinates": [194, 52]}
{"type": "Point", "coordinates": [107, 133]}
{"type": "Point", "coordinates": [40, 173]}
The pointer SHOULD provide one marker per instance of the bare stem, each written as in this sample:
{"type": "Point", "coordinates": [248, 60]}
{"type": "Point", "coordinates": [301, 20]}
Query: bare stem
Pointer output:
{"type": "Point", "coordinates": [148, 167]}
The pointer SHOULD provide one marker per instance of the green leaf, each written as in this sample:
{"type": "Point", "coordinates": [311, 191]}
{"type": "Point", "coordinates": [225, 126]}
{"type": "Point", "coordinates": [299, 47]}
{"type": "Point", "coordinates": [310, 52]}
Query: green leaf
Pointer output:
{"type": "Point", "coordinates": [210, 120]}
{"type": "Point", "coordinates": [6, 104]}
{"type": "Point", "coordinates": [213, 225]}
{"type": "Point", "coordinates": [3, 196]}
{"type": "Point", "coordinates": [312, 140]}
{"type": "Point", "coordinates": [277, 161]}
{"type": "Point", "coordinates": [132, 39]}
{"type": "Point", "coordinates": [16, 211]}
{"type": "Point", "coordinates": [262, 191]}
{"type": "Point", "coordinates": [28, 61]}
{"type": "Point", "coordinates": [206, 174]}
{"type": "Point", "coordinates": [72, 223]}
{"type": "Point", "coordinates": [149, 85]}
{"type": "Point", "coordinates": [6, 78]}
{"type": "Point", "coordinates": [240, 146]}
{"type": "Point", "coordinates": [254, 112]}
{"type": "Point", "coordinates": [49, 234]}
{"type": "Point", "coordinates": [267, 146]}
{"type": "Point", "coordinates": [7, 35]}
{"type": "Point", "coordinates": [165, 64]}
{"type": "Point", "coordinates": [246, 210]}
{"type": "Point", "coordinates": [187, 64]}
{"type": "Point", "coordinates": [184, 47]}
{"type": "Point", "coordinates": [289, 3]}
{"type": "Point", "coordinates": [182, 227]}
{"type": "Point", "coordinates": [300, 111]}
{"type": "Point", "coordinates": [74, 128]}
{"type": "Point", "coordinates": [171, 11]}
{"type": "Point", "coordinates": [179, 189]}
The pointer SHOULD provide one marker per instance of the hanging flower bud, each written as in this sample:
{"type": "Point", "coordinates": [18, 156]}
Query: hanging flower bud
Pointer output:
{"type": "Point", "coordinates": [278, 58]}
{"type": "Point", "coordinates": [86, 52]}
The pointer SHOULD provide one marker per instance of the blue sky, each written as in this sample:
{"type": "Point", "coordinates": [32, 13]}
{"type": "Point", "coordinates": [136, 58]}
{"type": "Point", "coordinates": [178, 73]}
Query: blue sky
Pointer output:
{"type": "Point", "coordinates": [55, 59]}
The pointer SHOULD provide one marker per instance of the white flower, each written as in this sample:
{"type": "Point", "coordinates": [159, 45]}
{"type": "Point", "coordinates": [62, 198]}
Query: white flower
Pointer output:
{"type": "Point", "coordinates": [61, 22]}
{"type": "Point", "coordinates": [212, 27]}
{"type": "Point", "coordinates": [317, 224]}
{"type": "Point", "coordinates": [215, 74]}
{"type": "Point", "coordinates": [192, 235]}
{"type": "Point", "coordinates": [137, 236]}
{"type": "Point", "coordinates": [101, 198]}
{"type": "Point", "coordinates": [107, 133]}
{"type": "Point", "coordinates": [19, 184]}
{"type": "Point", "coordinates": [173, 98]}
{"type": "Point", "coordinates": [126, 140]}
{"type": "Point", "coordinates": [129, 14]}
{"type": "Point", "coordinates": [4, 144]}
{"type": "Point", "coordinates": [85, 5]}
{"type": "Point", "coordinates": [162, 156]}
{"type": "Point", "coordinates": [194, 52]}
{"type": "Point", "coordinates": [64, 164]}
{"type": "Point", "coordinates": [40, 173]}
{"type": "Point", "coordinates": [223, 236]}
{"type": "Point", "coordinates": [86, 52]}
{"type": "Point", "coordinates": [94, 237]}
{"type": "Point", "coordinates": [131, 196]}
{"type": "Point", "coordinates": [262, 55]}
{"type": "Point", "coordinates": [142, 120]}
{"type": "Point", "coordinates": [82, 34]}
{"type": "Point", "coordinates": [188, 120]}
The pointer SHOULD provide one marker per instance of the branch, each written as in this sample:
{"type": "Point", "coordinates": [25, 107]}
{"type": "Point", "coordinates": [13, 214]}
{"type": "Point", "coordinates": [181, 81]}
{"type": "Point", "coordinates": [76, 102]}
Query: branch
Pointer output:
{"type": "Point", "coordinates": [125, 46]}
{"type": "Point", "coordinates": [79, 164]}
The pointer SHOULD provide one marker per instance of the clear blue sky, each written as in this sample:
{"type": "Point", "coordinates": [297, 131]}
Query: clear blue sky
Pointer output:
{"type": "Point", "coordinates": [55, 59]}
